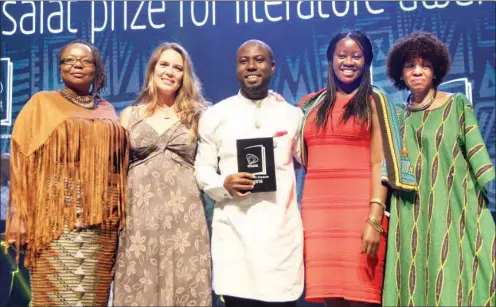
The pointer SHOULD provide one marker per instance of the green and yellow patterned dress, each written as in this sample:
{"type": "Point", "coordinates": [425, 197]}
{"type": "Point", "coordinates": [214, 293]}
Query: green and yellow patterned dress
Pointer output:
{"type": "Point", "coordinates": [442, 246]}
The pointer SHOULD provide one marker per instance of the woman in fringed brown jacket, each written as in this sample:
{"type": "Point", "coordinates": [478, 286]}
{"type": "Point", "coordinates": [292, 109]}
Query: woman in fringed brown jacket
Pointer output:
{"type": "Point", "coordinates": [69, 159]}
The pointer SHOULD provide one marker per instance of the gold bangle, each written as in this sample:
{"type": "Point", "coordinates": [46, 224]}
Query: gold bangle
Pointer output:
{"type": "Point", "coordinates": [379, 202]}
{"type": "Point", "coordinates": [376, 221]}
{"type": "Point", "coordinates": [376, 228]}
{"type": "Point", "coordinates": [373, 222]}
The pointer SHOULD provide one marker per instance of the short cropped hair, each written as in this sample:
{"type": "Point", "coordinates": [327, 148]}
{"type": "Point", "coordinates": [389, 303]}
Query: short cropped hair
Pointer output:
{"type": "Point", "coordinates": [100, 75]}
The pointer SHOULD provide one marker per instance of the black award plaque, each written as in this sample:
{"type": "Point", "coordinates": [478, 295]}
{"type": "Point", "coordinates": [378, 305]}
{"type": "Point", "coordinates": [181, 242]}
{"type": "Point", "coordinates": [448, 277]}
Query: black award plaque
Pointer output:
{"type": "Point", "coordinates": [256, 156]}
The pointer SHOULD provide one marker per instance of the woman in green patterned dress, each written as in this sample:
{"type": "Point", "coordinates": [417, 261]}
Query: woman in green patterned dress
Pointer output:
{"type": "Point", "coordinates": [442, 246]}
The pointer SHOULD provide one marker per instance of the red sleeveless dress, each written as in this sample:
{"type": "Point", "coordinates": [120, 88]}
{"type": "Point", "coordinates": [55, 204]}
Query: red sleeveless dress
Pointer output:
{"type": "Point", "coordinates": [334, 207]}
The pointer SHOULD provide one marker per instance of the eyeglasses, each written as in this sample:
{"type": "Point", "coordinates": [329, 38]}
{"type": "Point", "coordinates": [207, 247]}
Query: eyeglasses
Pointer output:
{"type": "Point", "coordinates": [72, 61]}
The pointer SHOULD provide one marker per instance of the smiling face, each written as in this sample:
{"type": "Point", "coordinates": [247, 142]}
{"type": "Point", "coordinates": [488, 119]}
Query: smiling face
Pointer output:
{"type": "Point", "coordinates": [254, 69]}
{"type": "Point", "coordinates": [168, 72]}
{"type": "Point", "coordinates": [348, 61]}
{"type": "Point", "coordinates": [77, 67]}
{"type": "Point", "coordinates": [418, 74]}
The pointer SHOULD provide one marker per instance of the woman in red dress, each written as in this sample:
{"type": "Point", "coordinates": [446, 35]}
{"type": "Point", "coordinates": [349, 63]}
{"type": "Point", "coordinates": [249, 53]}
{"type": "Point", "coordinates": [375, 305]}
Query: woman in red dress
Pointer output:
{"type": "Point", "coordinates": [343, 199]}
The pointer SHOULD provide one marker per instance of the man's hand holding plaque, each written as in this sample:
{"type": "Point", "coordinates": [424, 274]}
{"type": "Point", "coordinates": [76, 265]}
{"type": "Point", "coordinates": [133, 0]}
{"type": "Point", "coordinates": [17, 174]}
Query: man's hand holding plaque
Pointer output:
{"type": "Point", "coordinates": [240, 184]}
{"type": "Point", "coordinates": [256, 157]}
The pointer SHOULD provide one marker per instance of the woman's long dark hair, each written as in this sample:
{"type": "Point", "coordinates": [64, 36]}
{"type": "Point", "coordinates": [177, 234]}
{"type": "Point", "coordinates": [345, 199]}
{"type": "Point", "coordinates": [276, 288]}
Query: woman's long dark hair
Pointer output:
{"type": "Point", "coordinates": [360, 104]}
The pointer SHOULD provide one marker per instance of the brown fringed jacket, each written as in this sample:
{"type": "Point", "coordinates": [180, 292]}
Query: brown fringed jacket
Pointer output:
{"type": "Point", "coordinates": [64, 160]}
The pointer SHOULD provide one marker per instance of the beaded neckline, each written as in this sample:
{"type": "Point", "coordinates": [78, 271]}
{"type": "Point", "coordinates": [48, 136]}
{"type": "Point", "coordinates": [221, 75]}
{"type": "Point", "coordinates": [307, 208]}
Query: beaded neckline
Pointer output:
{"type": "Point", "coordinates": [422, 106]}
{"type": "Point", "coordinates": [88, 102]}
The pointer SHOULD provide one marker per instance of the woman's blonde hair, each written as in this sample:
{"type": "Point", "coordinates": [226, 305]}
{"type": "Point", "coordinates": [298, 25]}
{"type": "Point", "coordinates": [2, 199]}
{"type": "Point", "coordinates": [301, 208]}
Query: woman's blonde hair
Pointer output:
{"type": "Point", "coordinates": [189, 101]}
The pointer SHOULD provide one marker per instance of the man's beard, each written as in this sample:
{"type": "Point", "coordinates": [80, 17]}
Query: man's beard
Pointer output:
{"type": "Point", "coordinates": [256, 92]}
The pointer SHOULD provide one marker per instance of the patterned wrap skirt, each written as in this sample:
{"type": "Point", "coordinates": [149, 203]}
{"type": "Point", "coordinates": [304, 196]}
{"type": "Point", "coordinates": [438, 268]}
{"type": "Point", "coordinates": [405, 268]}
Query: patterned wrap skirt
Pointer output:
{"type": "Point", "coordinates": [76, 269]}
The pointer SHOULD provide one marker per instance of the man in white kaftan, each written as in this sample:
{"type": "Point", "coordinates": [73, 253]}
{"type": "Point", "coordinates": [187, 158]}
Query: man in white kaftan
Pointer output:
{"type": "Point", "coordinates": [257, 238]}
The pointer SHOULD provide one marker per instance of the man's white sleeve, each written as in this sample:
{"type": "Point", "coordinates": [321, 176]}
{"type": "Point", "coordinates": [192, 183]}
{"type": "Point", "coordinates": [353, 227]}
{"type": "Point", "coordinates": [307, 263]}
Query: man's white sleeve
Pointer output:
{"type": "Point", "coordinates": [297, 143]}
{"type": "Point", "coordinates": [206, 163]}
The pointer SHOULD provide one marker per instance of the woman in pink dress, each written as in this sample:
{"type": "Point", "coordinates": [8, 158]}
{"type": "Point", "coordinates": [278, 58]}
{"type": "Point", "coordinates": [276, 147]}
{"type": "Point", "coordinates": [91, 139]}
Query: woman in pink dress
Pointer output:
{"type": "Point", "coordinates": [345, 192]}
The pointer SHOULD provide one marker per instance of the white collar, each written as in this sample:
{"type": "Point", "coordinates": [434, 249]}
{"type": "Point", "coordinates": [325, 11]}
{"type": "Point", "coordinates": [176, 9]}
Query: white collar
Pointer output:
{"type": "Point", "coordinates": [257, 103]}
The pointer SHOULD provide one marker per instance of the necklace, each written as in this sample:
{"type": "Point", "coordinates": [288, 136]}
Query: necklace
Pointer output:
{"type": "Point", "coordinates": [422, 106]}
{"type": "Point", "coordinates": [87, 102]}
{"type": "Point", "coordinates": [166, 111]}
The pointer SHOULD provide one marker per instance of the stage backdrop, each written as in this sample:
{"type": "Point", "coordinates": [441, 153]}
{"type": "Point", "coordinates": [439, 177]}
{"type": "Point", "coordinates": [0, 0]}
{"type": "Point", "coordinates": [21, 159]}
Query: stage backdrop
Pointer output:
{"type": "Point", "coordinates": [126, 32]}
